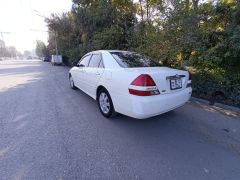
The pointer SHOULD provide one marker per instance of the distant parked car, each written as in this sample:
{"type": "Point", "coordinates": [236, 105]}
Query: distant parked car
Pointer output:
{"type": "Point", "coordinates": [47, 59]}
{"type": "Point", "coordinates": [131, 84]}
{"type": "Point", "coordinates": [29, 57]}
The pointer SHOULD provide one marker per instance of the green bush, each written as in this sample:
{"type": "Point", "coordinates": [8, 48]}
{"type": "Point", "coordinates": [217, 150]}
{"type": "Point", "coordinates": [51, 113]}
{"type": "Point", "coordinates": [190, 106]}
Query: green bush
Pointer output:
{"type": "Point", "coordinates": [221, 88]}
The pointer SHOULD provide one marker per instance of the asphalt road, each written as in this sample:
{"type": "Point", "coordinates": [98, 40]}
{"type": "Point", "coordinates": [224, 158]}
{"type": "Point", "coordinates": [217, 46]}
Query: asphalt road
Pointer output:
{"type": "Point", "coordinates": [49, 131]}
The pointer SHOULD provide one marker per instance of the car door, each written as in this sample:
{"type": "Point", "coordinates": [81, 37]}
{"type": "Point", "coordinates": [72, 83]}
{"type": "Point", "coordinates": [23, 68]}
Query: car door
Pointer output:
{"type": "Point", "coordinates": [94, 73]}
{"type": "Point", "coordinates": [80, 80]}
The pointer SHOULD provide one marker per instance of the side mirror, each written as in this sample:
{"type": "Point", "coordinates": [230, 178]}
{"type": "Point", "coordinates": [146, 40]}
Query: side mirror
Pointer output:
{"type": "Point", "coordinates": [75, 63]}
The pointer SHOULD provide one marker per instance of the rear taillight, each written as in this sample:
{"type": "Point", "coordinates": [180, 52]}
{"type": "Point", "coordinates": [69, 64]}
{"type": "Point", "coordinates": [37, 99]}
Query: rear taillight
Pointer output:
{"type": "Point", "coordinates": [190, 75]}
{"type": "Point", "coordinates": [143, 85]}
{"type": "Point", "coordinates": [143, 80]}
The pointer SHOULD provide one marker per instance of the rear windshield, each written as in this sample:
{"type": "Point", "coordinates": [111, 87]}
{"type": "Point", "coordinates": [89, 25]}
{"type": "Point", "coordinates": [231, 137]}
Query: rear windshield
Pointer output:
{"type": "Point", "coordinates": [133, 60]}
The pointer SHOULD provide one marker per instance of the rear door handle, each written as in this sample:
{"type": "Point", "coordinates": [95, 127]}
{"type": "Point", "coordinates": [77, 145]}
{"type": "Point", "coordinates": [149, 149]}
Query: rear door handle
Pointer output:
{"type": "Point", "coordinates": [98, 74]}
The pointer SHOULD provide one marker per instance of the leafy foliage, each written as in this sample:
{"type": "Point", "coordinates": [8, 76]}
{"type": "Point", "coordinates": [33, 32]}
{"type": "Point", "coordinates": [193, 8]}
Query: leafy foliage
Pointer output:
{"type": "Point", "coordinates": [10, 51]}
{"type": "Point", "coordinates": [221, 87]}
{"type": "Point", "coordinates": [40, 49]}
{"type": "Point", "coordinates": [202, 36]}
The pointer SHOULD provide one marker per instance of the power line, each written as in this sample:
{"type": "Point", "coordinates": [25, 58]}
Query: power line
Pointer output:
{"type": "Point", "coordinates": [55, 34]}
{"type": "Point", "coordinates": [40, 30]}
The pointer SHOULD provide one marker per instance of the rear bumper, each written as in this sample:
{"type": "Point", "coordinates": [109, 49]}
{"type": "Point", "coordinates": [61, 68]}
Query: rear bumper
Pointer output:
{"type": "Point", "coordinates": [145, 107]}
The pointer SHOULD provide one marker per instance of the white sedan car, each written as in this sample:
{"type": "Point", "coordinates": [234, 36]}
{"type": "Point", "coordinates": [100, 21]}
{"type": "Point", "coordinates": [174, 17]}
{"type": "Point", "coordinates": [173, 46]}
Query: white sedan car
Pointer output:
{"type": "Point", "coordinates": [130, 84]}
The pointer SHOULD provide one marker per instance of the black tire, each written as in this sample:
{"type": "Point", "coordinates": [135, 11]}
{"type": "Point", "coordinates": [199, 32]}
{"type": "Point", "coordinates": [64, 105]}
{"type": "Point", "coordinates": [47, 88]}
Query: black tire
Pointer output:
{"type": "Point", "coordinates": [111, 112]}
{"type": "Point", "coordinates": [71, 82]}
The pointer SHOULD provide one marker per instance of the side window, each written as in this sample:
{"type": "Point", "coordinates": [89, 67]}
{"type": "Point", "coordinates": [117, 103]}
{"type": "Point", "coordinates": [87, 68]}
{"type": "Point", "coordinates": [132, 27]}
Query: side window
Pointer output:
{"type": "Point", "coordinates": [84, 62]}
{"type": "Point", "coordinates": [95, 60]}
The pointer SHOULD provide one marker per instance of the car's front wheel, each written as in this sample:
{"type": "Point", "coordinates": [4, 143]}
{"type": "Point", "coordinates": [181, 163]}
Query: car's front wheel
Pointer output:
{"type": "Point", "coordinates": [105, 103]}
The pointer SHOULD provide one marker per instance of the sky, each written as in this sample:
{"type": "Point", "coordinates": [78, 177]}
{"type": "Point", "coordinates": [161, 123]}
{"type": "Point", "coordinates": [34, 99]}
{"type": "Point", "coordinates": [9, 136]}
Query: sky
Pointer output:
{"type": "Point", "coordinates": [19, 18]}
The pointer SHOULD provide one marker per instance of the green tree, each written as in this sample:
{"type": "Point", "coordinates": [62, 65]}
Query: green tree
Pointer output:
{"type": "Point", "coordinates": [2, 49]}
{"type": "Point", "coordinates": [27, 53]}
{"type": "Point", "coordinates": [12, 51]}
{"type": "Point", "coordinates": [203, 36]}
{"type": "Point", "coordinates": [40, 48]}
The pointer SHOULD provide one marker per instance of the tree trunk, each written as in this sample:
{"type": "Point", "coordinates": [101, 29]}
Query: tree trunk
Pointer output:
{"type": "Point", "coordinates": [147, 9]}
{"type": "Point", "coordinates": [195, 4]}
{"type": "Point", "coordinates": [236, 15]}
{"type": "Point", "coordinates": [141, 9]}
{"type": "Point", "coordinates": [188, 5]}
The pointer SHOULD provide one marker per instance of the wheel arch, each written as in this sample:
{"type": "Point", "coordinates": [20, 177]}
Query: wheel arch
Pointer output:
{"type": "Point", "coordinates": [103, 87]}
{"type": "Point", "coordinates": [99, 88]}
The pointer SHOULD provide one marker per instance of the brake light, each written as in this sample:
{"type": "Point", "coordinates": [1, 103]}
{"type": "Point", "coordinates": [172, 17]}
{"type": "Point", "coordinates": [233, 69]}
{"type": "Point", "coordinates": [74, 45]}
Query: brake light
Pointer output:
{"type": "Point", "coordinates": [190, 75]}
{"type": "Point", "coordinates": [143, 85]}
{"type": "Point", "coordinates": [143, 80]}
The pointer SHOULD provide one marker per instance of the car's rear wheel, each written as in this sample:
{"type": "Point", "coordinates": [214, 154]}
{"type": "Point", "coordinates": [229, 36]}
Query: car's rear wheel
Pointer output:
{"type": "Point", "coordinates": [72, 85]}
{"type": "Point", "coordinates": [105, 103]}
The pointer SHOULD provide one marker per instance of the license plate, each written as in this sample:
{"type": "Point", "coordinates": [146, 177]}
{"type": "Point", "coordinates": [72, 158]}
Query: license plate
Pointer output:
{"type": "Point", "coordinates": [175, 84]}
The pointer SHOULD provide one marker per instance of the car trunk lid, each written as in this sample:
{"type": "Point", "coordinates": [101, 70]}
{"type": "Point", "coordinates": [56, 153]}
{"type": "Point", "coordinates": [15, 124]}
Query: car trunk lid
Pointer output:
{"type": "Point", "coordinates": [168, 80]}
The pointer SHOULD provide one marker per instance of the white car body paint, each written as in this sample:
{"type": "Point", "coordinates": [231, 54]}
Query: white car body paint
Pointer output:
{"type": "Point", "coordinates": [117, 81]}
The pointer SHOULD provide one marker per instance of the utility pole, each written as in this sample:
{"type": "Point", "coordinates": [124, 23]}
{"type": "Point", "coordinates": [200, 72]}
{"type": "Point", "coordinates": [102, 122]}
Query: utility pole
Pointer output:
{"type": "Point", "coordinates": [4, 33]}
{"type": "Point", "coordinates": [54, 32]}
{"type": "Point", "coordinates": [55, 37]}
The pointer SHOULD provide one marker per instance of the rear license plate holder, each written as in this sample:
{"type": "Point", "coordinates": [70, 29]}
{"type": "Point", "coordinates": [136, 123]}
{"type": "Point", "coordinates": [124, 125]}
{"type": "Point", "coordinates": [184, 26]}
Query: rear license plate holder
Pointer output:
{"type": "Point", "coordinates": [175, 84]}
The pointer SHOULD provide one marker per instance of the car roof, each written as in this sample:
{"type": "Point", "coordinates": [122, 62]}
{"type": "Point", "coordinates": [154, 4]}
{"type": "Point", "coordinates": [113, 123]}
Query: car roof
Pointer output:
{"type": "Point", "coordinates": [97, 51]}
{"type": "Point", "coordinates": [117, 51]}
{"type": "Point", "coordinates": [110, 62]}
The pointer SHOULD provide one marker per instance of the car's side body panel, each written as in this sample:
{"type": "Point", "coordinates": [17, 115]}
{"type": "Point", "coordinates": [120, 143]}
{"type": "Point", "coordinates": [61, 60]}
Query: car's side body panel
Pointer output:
{"type": "Point", "coordinates": [93, 75]}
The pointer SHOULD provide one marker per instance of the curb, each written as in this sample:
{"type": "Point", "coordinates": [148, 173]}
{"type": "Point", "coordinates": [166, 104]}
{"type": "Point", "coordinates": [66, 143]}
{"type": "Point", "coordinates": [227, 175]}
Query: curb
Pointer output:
{"type": "Point", "coordinates": [220, 105]}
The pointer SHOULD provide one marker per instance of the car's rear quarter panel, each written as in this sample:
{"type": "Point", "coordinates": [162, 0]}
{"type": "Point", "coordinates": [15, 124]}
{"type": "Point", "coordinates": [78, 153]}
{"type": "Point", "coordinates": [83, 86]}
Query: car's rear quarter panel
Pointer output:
{"type": "Point", "coordinates": [117, 82]}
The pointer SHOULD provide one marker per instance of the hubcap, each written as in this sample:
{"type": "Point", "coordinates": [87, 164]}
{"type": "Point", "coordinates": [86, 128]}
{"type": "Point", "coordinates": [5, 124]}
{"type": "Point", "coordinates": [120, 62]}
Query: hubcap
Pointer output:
{"type": "Point", "coordinates": [71, 81]}
{"type": "Point", "coordinates": [104, 103]}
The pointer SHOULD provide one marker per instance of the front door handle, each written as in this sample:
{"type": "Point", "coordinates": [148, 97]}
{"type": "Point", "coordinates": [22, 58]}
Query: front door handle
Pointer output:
{"type": "Point", "coordinates": [98, 74]}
